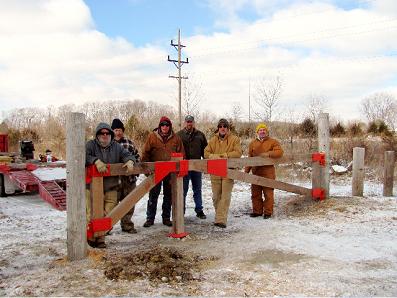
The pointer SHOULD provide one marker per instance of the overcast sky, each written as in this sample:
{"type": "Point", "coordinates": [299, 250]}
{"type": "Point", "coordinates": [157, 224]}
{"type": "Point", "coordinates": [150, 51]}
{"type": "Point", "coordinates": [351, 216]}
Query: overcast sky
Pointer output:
{"type": "Point", "coordinates": [70, 51]}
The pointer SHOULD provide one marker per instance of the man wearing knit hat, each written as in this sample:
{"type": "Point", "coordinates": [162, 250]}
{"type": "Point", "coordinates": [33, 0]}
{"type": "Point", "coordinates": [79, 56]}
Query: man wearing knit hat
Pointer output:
{"type": "Point", "coordinates": [263, 146]}
{"type": "Point", "coordinates": [222, 145]}
{"type": "Point", "coordinates": [128, 183]}
{"type": "Point", "coordinates": [159, 146]}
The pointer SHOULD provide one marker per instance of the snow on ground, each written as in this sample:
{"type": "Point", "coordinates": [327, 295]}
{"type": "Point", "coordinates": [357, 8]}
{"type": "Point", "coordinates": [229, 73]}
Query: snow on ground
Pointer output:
{"type": "Point", "coordinates": [344, 246]}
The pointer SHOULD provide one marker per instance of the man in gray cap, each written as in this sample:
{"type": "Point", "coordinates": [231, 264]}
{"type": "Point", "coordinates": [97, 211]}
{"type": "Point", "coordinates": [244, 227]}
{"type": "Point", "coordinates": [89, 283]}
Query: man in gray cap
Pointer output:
{"type": "Point", "coordinates": [194, 142]}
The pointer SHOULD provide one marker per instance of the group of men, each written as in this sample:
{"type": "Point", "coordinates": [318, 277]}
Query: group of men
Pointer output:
{"type": "Point", "coordinates": [111, 146]}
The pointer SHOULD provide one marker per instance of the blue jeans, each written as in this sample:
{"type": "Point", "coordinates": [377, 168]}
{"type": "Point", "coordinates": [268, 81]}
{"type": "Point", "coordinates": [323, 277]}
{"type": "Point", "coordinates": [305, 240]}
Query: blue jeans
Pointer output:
{"type": "Point", "coordinates": [153, 197]}
{"type": "Point", "coordinates": [195, 177]}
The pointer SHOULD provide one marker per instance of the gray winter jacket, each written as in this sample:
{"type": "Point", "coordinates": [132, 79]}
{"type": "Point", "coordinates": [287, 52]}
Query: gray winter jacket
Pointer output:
{"type": "Point", "coordinates": [113, 153]}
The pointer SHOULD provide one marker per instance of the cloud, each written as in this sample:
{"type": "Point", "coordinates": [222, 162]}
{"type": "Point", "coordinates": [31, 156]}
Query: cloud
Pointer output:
{"type": "Point", "coordinates": [51, 53]}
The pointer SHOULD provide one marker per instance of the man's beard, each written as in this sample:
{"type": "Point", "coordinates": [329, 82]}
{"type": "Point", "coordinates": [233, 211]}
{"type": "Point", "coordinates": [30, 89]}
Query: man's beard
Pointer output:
{"type": "Point", "coordinates": [104, 144]}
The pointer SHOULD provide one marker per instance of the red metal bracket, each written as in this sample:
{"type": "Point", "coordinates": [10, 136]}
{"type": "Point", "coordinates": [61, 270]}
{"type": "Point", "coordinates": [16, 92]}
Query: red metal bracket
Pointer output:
{"type": "Point", "coordinates": [180, 235]}
{"type": "Point", "coordinates": [217, 167]}
{"type": "Point", "coordinates": [318, 194]}
{"type": "Point", "coordinates": [92, 171]}
{"type": "Point", "coordinates": [319, 157]}
{"type": "Point", "coordinates": [162, 169]}
{"type": "Point", "coordinates": [183, 168]}
{"type": "Point", "coordinates": [98, 225]}
{"type": "Point", "coordinates": [176, 154]}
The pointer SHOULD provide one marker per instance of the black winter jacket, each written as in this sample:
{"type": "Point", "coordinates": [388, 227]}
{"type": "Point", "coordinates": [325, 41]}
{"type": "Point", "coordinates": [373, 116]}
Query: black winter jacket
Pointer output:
{"type": "Point", "coordinates": [194, 143]}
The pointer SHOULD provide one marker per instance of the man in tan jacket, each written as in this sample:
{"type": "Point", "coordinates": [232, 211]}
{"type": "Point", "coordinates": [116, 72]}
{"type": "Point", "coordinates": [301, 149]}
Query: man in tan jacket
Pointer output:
{"type": "Point", "coordinates": [222, 145]}
{"type": "Point", "coordinates": [263, 146]}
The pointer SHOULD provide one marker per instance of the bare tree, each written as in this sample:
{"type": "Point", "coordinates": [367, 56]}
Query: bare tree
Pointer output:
{"type": "Point", "coordinates": [316, 104]}
{"type": "Point", "coordinates": [380, 106]}
{"type": "Point", "coordinates": [267, 97]}
{"type": "Point", "coordinates": [237, 111]}
{"type": "Point", "coordinates": [193, 96]}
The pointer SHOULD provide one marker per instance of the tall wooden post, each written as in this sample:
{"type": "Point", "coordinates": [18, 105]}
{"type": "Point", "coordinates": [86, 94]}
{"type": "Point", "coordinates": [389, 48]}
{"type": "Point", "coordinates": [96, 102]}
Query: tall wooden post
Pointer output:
{"type": "Point", "coordinates": [323, 146]}
{"type": "Point", "coordinates": [178, 219]}
{"type": "Point", "coordinates": [358, 171]}
{"type": "Point", "coordinates": [75, 189]}
{"type": "Point", "coordinates": [388, 174]}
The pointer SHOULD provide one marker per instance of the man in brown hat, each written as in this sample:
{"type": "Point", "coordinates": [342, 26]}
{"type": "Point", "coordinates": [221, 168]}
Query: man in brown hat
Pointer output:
{"type": "Point", "coordinates": [222, 145]}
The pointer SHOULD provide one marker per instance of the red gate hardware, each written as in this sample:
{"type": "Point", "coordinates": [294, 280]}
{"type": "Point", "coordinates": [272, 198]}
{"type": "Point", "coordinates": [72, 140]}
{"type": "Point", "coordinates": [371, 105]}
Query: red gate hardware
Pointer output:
{"type": "Point", "coordinates": [183, 168]}
{"type": "Point", "coordinates": [217, 167]}
{"type": "Point", "coordinates": [318, 194]}
{"type": "Point", "coordinates": [176, 154]}
{"type": "Point", "coordinates": [162, 169]}
{"type": "Point", "coordinates": [320, 157]}
{"type": "Point", "coordinates": [180, 235]}
{"type": "Point", "coordinates": [98, 225]}
{"type": "Point", "coordinates": [92, 171]}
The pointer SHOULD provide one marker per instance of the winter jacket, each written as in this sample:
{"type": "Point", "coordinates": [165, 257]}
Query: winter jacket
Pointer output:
{"type": "Point", "coordinates": [194, 143]}
{"type": "Point", "coordinates": [229, 146]}
{"type": "Point", "coordinates": [155, 149]}
{"type": "Point", "coordinates": [267, 145]}
{"type": "Point", "coordinates": [113, 153]}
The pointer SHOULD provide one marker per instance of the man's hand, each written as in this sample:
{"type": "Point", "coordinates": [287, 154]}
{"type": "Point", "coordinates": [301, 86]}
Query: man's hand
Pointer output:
{"type": "Point", "coordinates": [100, 166]}
{"type": "Point", "coordinates": [130, 166]}
{"type": "Point", "coordinates": [247, 169]}
{"type": "Point", "coordinates": [214, 156]}
{"type": "Point", "coordinates": [223, 155]}
{"type": "Point", "coordinates": [265, 154]}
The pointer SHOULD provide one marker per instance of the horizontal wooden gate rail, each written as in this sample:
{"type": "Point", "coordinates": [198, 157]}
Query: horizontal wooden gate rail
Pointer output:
{"type": "Point", "coordinates": [156, 171]}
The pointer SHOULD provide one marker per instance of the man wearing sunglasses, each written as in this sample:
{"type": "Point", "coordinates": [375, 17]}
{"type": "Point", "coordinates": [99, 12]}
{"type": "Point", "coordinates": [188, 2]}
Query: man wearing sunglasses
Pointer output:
{"type": "Point", "coordinates": [159, 146]}
{"type": "Point", "coordinates": [222, 145]}
{"type": "Point", "coordinates": [194, 142]}
{"type": "Point", "coordinates": [100, 151]}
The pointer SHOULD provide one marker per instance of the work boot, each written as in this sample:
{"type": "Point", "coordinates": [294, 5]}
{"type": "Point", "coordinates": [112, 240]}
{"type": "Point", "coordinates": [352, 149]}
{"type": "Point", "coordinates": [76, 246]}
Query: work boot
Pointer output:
{"type": "Point", "coordinates": [201, 215]}
{"type": "Point", "coordinates": [255, 214]}
{"type": "Point", "coordinates": [130, 231]}
{"type": "Point", "coordinates": [266, 216]}
{"type": "Point", "coordinates": [220, 225]}
{"type": "Point", "coordinates": [167, 222]}
{"type": "Point", "coordinates": [148, 223]}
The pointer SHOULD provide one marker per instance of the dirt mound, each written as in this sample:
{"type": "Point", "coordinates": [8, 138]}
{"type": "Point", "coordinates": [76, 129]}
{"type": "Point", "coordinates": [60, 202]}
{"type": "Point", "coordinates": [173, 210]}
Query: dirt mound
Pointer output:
{"type": "Point", "coordinates": [157, 264]}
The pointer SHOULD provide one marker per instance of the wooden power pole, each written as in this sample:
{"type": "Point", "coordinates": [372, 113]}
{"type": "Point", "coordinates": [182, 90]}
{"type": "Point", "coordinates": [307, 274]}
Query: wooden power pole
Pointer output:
{"type": "Point", "coordinates": [178, 63]}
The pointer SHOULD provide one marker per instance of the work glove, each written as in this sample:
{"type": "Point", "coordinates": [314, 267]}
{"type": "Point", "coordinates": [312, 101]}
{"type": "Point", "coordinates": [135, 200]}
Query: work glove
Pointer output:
{"type": "Point", "coordinates": [264, 154]}
{"type": "Point", "coordinates": [130, 166]}
{"type": "Point", "coordinates": [214, 156]}
{"type": "Point", "coordinates": [100, 166]}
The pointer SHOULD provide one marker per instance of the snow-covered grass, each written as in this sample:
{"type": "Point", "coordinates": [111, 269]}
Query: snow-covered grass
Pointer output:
{"type": "Point", "coordinates": [344, 246]}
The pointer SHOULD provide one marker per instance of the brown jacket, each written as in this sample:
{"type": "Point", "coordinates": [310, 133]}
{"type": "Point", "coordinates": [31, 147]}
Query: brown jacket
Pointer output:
{"type": "Point", "coordinates": [268, 145]}
{"type": "Point", "coordinates": [155, 149]}
{"type": "Point", "coordinates": [228, 147]}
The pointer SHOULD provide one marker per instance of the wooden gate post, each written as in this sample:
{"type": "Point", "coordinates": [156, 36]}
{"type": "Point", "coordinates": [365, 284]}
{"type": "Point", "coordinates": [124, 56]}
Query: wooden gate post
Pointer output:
{"type": "Point", "coordinates": [75, 190]}
{"type": "Point", "coordinates": [388, 173]}
{"type": "Point", "coordinates": [323, 146]}
{"type": "Point", "coordinates": [178, 220]}
{"type": "Point", "coordinates": [358, 171]}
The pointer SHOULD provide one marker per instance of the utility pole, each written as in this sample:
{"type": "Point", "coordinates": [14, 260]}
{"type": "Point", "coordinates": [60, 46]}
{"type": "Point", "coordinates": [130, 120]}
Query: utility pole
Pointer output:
{"type": "Point", "coordinates": [178, 63]}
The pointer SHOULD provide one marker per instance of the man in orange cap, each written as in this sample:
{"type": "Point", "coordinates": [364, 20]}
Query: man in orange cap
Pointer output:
{"type": "Point", "coordinates": [263, 146]}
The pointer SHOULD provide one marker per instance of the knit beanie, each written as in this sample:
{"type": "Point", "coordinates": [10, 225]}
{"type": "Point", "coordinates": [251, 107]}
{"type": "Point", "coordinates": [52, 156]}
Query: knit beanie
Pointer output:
{"type": "Point", "coordinates": [116, 123]}
{"type": "Point", "coordinates": [224, 122]}
{"type": "Point", "coordinates": [165, 119]}
{"type": "Point", "coordinates": [261, 125]}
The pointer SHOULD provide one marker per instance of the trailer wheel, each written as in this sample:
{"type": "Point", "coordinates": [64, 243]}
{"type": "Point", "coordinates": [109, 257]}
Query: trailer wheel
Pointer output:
{"type": "Point", "coordinates": [2, 186]}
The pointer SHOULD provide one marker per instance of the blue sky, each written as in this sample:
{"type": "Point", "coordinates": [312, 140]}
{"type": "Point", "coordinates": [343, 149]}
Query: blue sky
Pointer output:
{"type": "Point", "coordinates": [150, 21]}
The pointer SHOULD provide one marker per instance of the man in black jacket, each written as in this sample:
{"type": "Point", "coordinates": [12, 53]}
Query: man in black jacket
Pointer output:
{"type": "Point", "coordinates": [194, 142]}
